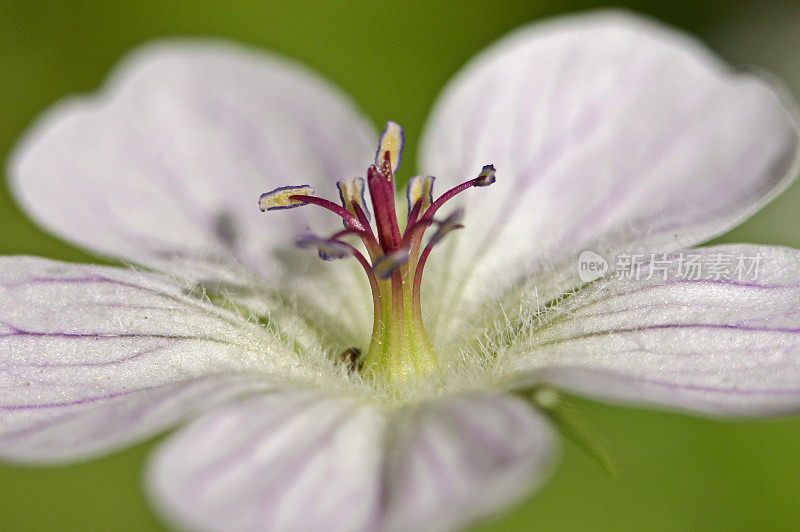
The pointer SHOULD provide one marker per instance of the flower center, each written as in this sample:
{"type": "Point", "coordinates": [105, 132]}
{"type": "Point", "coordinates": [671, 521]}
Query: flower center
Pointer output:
{"type": "Point", "coordinates": [395, 260]}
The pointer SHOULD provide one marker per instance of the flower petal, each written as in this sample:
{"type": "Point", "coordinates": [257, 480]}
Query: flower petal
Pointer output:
{"type": "Point", "coordinates": [166, 165]}
{"type": "Point", "coordinates": [607, 131]}
{"type": "Point", "coordinates": [462, 458]}
{"type": "Point", "coordinates": [308, 460]}
{"type": "Point", "coordinates": [727, 345]}
{"type": "Point", "coordinates": [94, 358]}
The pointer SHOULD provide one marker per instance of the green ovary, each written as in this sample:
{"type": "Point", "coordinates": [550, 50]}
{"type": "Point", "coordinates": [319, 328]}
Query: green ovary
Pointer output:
{"type": "Point", "coordinates": [399, 348]}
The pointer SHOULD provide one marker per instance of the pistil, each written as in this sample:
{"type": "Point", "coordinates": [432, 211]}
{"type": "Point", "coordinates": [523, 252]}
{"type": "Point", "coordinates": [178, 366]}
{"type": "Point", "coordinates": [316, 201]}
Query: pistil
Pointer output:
{"type": "Point", "coordinates": [399, 347]}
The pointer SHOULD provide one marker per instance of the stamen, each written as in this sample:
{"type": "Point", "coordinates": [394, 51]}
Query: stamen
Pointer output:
{"type": "Point", "coordinates": [328, 248]}
{"type": "Point", "coordinates": [420, 189]}
{"type": "Point", "coordinates": [385, 266]}
{"type": "Point", "coordinates": [393, 262]}
{"type": "Point", "coordinates": [446, 226]}
{"type": "Point", "coordinates": [331, 206]}
{"type": "Point", "coordinates": [331, 249]}
{"type": "Point", "coordinates": [364, 219]}
{"type": "Point", "coordinates": [352, 193]}
{"type": "Point", "coordinates": [486, 177]}
{"type": "Point", "coordinates": [282, 198]}
{"type": "Point", "coordinates": [391, 144]}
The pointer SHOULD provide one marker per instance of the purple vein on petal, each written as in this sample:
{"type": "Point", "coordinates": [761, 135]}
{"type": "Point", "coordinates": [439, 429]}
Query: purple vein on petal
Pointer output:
{"type": "Point", "coordinates": [99, 279]}
{"type": "Point", "coordinates": [76, 402]}
{"type": "Point", "coordinates": [670, 139]}
{"type": "Point", "coordinates": [104, 397]}
{"type": "Point", "coordinates": [224, 462]}
{"type": "Point", "coordinates": [208, 389]}
{"type": "Point", "coordinates": [437, 468]}
{"type": "Point", "coordinates": [572, 312]}
{"type": "Point", "coordinates": [73, 414]}
{"type": "Point", "coordinates": [667, 326]}
{"type": "Point", "coordinates": [16, 331]}
{"type": "Point", "coordinates": [484, 436]}
{"type": "Point", "coordinates": [299, 461]}
{"type": "Point", "coordinates": [584, 127]}
{"type": "Point", "coordinates": [645, 288]}
{"type": "Point", "coordinates": [126, 358]}
{"type": "Point", "coordinates": [689, 387]}
{"type": "Point", "coordinates": [747, 163]}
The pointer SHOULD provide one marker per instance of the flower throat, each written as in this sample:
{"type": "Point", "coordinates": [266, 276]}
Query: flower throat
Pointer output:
{"type": "Point", "coordinates": [395, 260]}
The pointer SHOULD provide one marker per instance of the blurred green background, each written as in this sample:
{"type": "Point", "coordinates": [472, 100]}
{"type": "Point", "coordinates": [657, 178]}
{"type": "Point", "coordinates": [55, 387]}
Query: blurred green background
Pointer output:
{"type": "Point", "coordinates": [675, 471]}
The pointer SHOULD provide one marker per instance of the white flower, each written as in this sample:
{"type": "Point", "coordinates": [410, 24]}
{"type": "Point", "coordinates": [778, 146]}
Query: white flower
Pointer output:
{"type": "Point", "coordinates": [609, 133]}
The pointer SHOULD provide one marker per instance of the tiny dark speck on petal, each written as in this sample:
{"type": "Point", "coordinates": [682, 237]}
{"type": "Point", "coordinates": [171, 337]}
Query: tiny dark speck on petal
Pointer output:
{"type": "Point", "coordinates": [225, 227]}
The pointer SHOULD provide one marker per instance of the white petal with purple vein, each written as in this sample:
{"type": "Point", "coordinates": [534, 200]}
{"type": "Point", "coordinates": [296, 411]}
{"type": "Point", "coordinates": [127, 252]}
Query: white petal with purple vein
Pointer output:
{"type": "Point", "coordinates": [309, 460]}
{"type": "Point", "coordinates": [607, 130]}
{"type": "Point", "coordinates": [723, 346]}
{"type": "Point", "coordinates": [457, 459]}
{"type": "Point", "coordinates": [165, 166]}
{"type": "Point", "coordinates": [94, 358]}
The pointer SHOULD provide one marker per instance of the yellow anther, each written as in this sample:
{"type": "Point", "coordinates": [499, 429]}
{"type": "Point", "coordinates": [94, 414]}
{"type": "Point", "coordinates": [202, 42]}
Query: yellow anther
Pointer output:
{"type": "Point", "coordinates": [352, 193]}
{"type": "Point", "coordinates": [391, 142]}
{"type": "Point", "coordinates": [281, 198]}
{"type": "Point", "coordinates": [420, 188]}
